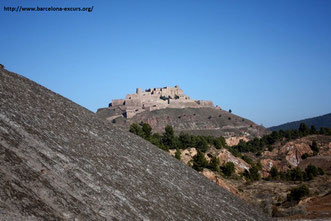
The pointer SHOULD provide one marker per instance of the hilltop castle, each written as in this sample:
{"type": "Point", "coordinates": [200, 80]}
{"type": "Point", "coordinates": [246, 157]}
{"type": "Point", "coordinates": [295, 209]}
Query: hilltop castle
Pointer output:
{"type": "Point", "coordinates": [154, 99]}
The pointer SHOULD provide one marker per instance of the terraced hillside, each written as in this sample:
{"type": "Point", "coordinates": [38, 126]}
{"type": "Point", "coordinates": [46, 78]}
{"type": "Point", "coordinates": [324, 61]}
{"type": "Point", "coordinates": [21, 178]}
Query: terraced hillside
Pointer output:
{"type": "Point", "coordinates": [198, 121]}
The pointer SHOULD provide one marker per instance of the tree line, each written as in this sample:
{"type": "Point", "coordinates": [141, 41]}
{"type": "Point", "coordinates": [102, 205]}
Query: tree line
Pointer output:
{"type": "Point", "coordinates": [257, 145]}
{"type": "Point", "coordinates": [168, 140]}
{"type": "Point", "coordinates": [296, 174]}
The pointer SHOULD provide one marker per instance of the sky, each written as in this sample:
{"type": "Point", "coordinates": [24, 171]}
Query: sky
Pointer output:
{"type": "Point", "coordinates": [268, 61]}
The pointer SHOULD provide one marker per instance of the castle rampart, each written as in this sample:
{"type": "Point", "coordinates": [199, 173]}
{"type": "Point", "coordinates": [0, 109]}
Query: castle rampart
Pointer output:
{"type": "Point", "coordinates": [154, 99]}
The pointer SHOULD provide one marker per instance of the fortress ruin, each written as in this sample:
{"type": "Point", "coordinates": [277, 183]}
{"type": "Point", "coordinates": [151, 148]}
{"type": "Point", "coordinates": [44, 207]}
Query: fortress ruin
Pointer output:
{"type": "Point", "coordinates": [154, 99]}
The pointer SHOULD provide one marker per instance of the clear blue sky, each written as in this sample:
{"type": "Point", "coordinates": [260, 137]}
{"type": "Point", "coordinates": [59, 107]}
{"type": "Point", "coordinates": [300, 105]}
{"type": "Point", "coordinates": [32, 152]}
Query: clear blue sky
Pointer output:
{"type": "Point", "coordinates": [269, 61]}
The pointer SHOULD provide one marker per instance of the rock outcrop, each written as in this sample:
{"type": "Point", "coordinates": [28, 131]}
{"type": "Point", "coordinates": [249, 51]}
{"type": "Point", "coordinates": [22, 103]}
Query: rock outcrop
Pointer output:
{"type": "Point", "coordinates": [225, 156]}
{"type": "Point", "coordinates": [58, 161]}
{"type": "Point", "coordinates": [220, 181]}
{"type": "Point", "coordinates": [186, 154]}
{"type": "Point", "coordinates": [232, 141]}
{"type": "Point", "coordinates": [289, 155]}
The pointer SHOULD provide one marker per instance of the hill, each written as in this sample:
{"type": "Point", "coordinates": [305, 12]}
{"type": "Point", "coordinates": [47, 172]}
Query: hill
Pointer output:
{"type": "Point", "coordinates": [196, 117]}
{"type": "Point", "coordinates": [318, 122]}
{"type": "Point", "coordinates": [267, 176]}
{"type": "Point", "coordinates": [61, 162]}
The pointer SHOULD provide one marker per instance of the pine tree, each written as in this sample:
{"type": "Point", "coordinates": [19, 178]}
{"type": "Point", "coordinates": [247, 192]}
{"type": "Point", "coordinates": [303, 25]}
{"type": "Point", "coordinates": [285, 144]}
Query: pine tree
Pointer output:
{"type": "Point", "coordinates": [274, 172]}
{"type": "Point", "coordinates": [199, 161]}
{"type": "Point", "coordinates": [214, 164]}
{"type": "Point", "coordinates": [136, 129]}
{"type": "Point", "coordinates": [147, 130]}
{"type": "Point", "coordinates": [178, 154]}
{"type": "Point", "coordinates": [168, 137]}
{"type": "Point", "coordinates": [314, 148]}
{"type": "Point", "coordinates": [303, 129]}
{"type": "Point", "coordinates": [298, 192]}
{"type": "Point", "coordinates": [313, 130]}
{"type": "Point", "coordinates": [228, 169]}
{"type": "Point", "coordinates": [254, 173]}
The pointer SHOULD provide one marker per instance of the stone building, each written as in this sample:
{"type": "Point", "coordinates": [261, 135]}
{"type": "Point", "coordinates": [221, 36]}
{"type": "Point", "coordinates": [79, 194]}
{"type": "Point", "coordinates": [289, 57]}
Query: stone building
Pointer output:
{"type": "Point", "coordinates": [154, 99]}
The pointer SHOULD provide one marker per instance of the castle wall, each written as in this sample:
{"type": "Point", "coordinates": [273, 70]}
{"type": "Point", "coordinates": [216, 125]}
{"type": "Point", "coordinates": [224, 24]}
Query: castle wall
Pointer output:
{"type": "Point", "coordinates": [133, 102]}
{"type": "Point", "coordinates": [149, 100]}
{"type": "Point", "coordinates": [172, 92]}
{"type": "Point", "coordinates": [205, 103]}
{"type": "Point", "coordinates": [117, 102]}
{"type": "Point", "coordinates": [183, 103]}
{"type": "Point", "coordinates": [131, 96]}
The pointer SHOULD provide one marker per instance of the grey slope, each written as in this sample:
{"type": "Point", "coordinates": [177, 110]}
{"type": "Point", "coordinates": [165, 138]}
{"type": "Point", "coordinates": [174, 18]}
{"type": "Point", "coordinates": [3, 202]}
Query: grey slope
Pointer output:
{"type": "Point", "coordinates": [58, 161]}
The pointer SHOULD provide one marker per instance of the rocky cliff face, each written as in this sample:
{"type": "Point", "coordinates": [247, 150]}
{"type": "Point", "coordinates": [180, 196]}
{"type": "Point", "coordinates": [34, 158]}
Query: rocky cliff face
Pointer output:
{"type": "Point", "coordinates": [223, 156]}
{"type": "Point", "coordinates": [58, 161]}
{"type": "Point", "coordinates": [289, 154]}
{"type": "Point", "coordinates": [220, 181]}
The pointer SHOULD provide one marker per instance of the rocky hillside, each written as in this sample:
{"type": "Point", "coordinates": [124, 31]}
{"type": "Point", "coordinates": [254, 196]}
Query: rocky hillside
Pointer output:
{"type": "Point", "coordinates": [58, 161]}
{"type": "Point", "coordinates": [269, 190]}
{"type": "Point", "coordinates": [198, 121]}
{"type": "Point", "coordinates": [318, 122]}
{"type": "Point", "coordinates": [289, 158]}
{"type": "Point", "coordinates": [290, 154]}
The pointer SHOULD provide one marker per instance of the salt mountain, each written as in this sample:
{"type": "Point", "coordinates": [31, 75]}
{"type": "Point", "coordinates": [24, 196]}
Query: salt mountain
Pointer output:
{"type": "Point", "coordinates": [58, 161]}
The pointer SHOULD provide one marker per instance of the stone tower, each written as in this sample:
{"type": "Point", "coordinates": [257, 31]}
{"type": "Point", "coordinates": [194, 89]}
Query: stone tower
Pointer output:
{"type": "Point", "coordinates": [139, 91]}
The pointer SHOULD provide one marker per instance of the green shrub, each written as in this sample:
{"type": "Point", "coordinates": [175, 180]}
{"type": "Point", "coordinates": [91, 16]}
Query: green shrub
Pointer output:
{"type": "Point", "coordinates": [228, 169]}
{"type": "Point", "coordinates": [178, 154]}
{"type": "Point", "coordinates": [136, 129]}
{"type": "Point", "coordinates": [147, 130]}
{"type": "Point", "coordinates": [274, 172]}
{"type": "Point", "coordinates": [247, 159]}
{"type": "Point", "coordinates": [303, 129]}
{"type": "Point", "coordinates": [168, 138]}
{"type": "Point", "coordinates": [185, 140]}
{"type": "Point", "coordinates": [252, 174]}
{"type": "Point", "coordinates": [311, 172]}
{"type": "Point", "coordinates": [202, 144]}
{"type": "Point", "coordinates": [304, 156]}
{"type": "Point", "coordinates": [313, 130]}
{"type": "Point", "coordinates": [298, 193]}
{"type": "Point", "coordinates": [199, 161]}
{"type": "Point", "coordinates": [295, 174]}
{"type": "Point", "coordinates": [314, 147]}
{"type": "Point", "coordinates": [214, 164]}
{"type": "Point", "coordinates": [219, 142]}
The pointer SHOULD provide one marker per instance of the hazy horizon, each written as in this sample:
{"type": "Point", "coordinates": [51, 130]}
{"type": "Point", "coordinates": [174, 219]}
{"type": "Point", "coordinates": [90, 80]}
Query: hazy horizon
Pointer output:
{"type": "Point", "coordinates": [269, 62]}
